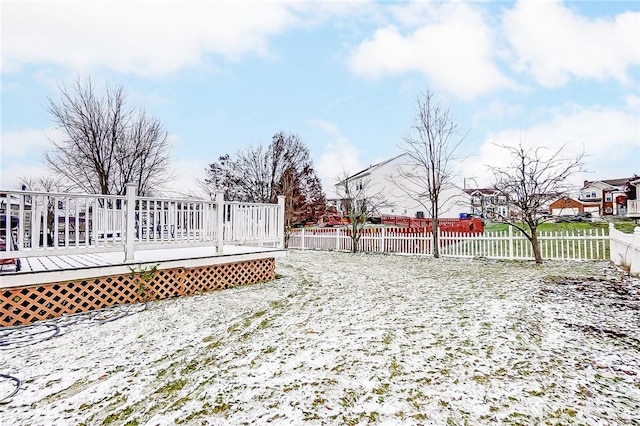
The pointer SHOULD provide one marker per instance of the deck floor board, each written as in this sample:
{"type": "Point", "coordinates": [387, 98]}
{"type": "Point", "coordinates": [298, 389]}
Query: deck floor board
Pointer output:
{"type": "Point", "coordinates": [70, 266]}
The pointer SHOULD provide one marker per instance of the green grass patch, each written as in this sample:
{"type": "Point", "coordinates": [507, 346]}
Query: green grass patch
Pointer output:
{"type": "Point", "coordinates": [172, 387]}
{"type": "Point", "coordinates": [554, 227]}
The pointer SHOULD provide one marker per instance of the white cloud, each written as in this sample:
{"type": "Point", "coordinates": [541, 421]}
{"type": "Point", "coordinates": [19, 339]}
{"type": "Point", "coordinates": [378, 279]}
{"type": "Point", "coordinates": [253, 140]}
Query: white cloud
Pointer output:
{"type": "Point", "coordinates": [339, 156]}
{"type": "Point", "coordinates": [497, 110]}
{"type": "Point", "coordinates": [146, 37]}
{"type": "Point", "coordinates": [454, 50]}
{"type": "Point", "coordinates": [12, 173]}
{"type": "Point", "coordinates": [28, 142]}
{"type": "Point", "coordinates": [632, 101]}
{"type": "Point", "coordinates": [609, 138]}
{"type": "Point", "coordinates": [554, 43]}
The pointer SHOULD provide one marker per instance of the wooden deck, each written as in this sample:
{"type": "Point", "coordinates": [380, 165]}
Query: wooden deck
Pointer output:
{"type": "Point", "coordinates": [69, 267]}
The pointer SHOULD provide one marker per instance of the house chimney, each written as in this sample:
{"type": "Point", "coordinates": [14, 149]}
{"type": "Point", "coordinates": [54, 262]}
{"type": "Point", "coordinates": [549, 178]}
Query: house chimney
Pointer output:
{"type": "Point", "coordinates": [586, 183]}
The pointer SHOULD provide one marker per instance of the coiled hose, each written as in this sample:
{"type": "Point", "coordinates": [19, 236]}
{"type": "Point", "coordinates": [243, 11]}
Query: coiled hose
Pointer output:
{"type": "Point", "coordinates": [27, 335]}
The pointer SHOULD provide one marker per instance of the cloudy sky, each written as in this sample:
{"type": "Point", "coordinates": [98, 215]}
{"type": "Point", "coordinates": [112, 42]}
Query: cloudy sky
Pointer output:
{"type": "Point", "coordinates": [344, 76]}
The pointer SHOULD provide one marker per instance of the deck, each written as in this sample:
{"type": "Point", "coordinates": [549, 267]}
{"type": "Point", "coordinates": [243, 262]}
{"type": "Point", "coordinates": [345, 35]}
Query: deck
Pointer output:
{"type": "Point", "coordinates": [72, 267]}
{"type": "Point", "coordinates": [82, 252]}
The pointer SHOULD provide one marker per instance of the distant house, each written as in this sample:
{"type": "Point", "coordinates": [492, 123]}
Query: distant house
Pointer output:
{"type": "Point", "coordinates": [488, 203]}
{"type": "Point", "coordinates": [379, 178]}
{"type": "Point", "coordinates": [609, 195]}
{"type": "Point", "coordinates": [567, 206]}
{"type": "Point", "coordinates": [633, 204]}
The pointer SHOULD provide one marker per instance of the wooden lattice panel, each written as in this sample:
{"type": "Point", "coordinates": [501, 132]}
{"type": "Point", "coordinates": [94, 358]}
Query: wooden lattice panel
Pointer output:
{"type": "Point", "coordinates": [25, 305]}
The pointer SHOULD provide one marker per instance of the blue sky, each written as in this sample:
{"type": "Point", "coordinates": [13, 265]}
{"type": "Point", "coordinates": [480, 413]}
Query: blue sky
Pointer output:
{"type": "Point", "coordinates": [344, 76]}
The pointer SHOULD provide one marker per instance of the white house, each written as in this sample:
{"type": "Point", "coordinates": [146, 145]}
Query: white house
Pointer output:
{"type": "Point", "coordinates": [488, 203]}
{"type": "Point", "coordinates": [609, 195]}
{"type": "Point", "coordinates": [633, 205]}
{"type": "Point", "coordinates": [386, 178]}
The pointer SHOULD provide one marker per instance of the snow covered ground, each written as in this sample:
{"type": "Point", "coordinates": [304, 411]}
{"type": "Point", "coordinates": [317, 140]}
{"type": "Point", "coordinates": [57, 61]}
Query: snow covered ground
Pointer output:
{"type": "Point", "coordinates": [351, 339]}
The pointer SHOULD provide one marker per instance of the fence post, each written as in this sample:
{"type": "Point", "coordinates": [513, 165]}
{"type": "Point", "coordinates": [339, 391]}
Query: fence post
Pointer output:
{"type": "Point", "coordinates": [634, 262]}
{"type": "Point", "coordinates": [302, 238]}
{"type": "Point", "coordinates": [130, 235]}
{"type": "Point", "coordinates": [337, 239]}
{"type": "Point", "coordinates": [281, 223]}
{"type": "Point", "coordinates": [611, 242]}
{"type": "Point", "coordinates": [383, 236]}
{"type": "Point", "coordinates": [511, 242]}
{"type": "Point", "coordinates": [219, 221]}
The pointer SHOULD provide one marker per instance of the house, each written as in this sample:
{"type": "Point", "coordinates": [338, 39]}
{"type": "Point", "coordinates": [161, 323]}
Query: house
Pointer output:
{"type": "Point", "coordinates": [567, 206]}
{"type": "Point", "coordinates": [488, 203]}
{"type": "Point", "coordinates": [609, 194]}
{"type": "Point", "coordinates": [390, 179]}
{"type": "Point", "coordinates": [633, 204]}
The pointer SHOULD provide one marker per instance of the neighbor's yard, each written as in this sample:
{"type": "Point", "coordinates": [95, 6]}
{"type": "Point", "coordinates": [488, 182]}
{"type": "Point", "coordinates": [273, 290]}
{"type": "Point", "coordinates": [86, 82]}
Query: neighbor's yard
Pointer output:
{"type": "Point", "coordinates": [353, 339]}
{"type": "Point", "coordinates": [626, 226]}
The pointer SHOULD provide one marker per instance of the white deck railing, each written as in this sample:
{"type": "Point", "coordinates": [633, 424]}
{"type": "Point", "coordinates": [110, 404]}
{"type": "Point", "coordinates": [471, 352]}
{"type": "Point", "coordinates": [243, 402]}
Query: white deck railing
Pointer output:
{"type": "Point", "coordinates": [571, 245]}
{"type": "Point", "coordinates": [633, 208]}
{"type": "Point", "coordinates": [250, 223]}
{"type": "Point", "coordinates": [48, 223]}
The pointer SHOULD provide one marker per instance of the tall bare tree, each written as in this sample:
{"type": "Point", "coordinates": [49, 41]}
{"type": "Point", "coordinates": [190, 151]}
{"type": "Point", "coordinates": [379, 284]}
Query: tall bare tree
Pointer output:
{"type": "Point", "coordinates": [260, 174]}
{"type": "Point", "coordinates": [428, 172]}
{"type": "Point", "coordinates": [107, 144]}
{"type": "Point", "coordinates": [534, 178]}
{"type": "Point", "coordinates": [359, 201]}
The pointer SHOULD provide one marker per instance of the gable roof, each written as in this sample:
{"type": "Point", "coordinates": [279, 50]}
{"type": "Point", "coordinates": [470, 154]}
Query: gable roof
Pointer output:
{"type": "Point", "coordinates": [368, 170]}
{"type": "Point", "coordinates": [483, 191]}
{"type": "Point", "coordinates": [613, 183]}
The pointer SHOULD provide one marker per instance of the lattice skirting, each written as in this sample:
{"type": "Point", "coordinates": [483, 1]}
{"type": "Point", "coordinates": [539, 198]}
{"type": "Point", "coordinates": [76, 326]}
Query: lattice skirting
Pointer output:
{"type": "Point", "coordinates": [25, 305]}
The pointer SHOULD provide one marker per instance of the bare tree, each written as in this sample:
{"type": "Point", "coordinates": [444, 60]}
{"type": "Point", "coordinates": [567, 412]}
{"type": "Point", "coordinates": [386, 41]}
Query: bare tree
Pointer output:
{"type": "Point", "coordinates": [429, 150]}
{"type": "Point", "coordinates": [107, 144]}
{"type": "Point", "coordinates": [44, 184]}
{"type": "Point", "coordinates": [360, 201]}
{"type": "Point", "coordinates": [260, 174]}
{"type": "Point", "coordinates": [295, 209]}
{"type": "Point", "coordinates": [534, 178]}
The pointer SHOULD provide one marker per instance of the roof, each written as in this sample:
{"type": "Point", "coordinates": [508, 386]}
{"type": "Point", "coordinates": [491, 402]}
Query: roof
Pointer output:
{"type": "Point", "coordinates": [483, 191]}
{"type": "Point", "coordinates": [567, 198]}
{"type": "Point", "coordinates": [368, 170]}
{"type": "Point", "coordinates": [619, 182]}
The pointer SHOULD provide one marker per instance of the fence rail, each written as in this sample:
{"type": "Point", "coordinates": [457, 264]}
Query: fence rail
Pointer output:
{"type": "Point", "coordinates": [570, 245]}
{"type": "Point", "coordinates": [46, 223]}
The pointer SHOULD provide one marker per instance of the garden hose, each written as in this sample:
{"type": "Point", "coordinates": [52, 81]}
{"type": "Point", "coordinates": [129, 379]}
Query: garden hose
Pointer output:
{"type": "Point", "coordinates": [27, 335]}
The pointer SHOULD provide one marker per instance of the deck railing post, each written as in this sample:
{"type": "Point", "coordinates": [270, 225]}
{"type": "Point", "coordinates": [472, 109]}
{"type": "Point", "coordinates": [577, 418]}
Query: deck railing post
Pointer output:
{"type": "Point", "coordinates": [281, 224]}
{"type": "Point", "coordinates": [130, 235]}
{"type": "Point", "coordinates": [220, 221]}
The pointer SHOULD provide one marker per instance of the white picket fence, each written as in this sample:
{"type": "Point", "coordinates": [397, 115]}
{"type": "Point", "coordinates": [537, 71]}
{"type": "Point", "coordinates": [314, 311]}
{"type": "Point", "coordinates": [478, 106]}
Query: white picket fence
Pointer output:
{"type": "Point", "coordinates": [590, 244]}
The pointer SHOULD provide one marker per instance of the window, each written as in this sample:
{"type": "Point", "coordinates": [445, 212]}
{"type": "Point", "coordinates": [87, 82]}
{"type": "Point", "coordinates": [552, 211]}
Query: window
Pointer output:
{"type": "Point", "coordinates": [502, 199]}
{"type": "Point", "coordinates": [607, 197]}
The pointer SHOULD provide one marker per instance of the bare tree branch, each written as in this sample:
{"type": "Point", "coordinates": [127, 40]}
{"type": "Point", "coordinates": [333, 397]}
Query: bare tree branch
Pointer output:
{"type": "Point", "coordinates": [360, 201]}
{"type": "Point", "coordinates": [427, 175]}
{"type": "Point", "coordinates": [534, 178]}
{"type": "Point", "coordinates": [107, 145]}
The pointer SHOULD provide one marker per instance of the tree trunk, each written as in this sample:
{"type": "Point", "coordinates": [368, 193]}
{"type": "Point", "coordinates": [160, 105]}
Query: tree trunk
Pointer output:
{"type": "Point", "coordinates": [535, 245]}
{"type": "Point", "coordinates": [355, 238]}
{"type": "Point", "coordinates": [436, 242]}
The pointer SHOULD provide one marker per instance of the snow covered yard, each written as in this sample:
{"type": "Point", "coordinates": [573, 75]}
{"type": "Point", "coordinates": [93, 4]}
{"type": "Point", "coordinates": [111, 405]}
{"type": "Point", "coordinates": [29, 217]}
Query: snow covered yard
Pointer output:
{"type": "Point", "coordinates": [352, 339]}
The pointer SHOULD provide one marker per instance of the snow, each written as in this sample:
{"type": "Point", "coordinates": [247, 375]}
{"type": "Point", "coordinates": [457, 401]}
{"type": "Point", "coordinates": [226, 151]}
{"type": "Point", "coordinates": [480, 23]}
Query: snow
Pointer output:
{"type": "Point", "coordinates": [348, 339]}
